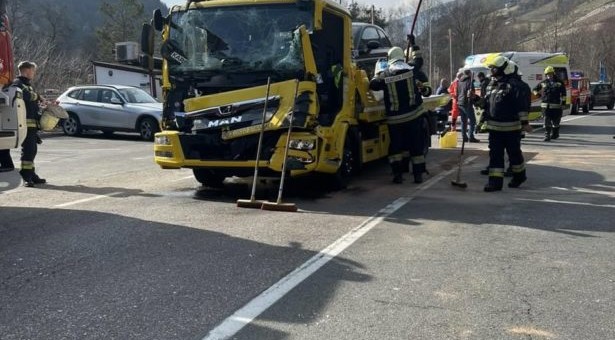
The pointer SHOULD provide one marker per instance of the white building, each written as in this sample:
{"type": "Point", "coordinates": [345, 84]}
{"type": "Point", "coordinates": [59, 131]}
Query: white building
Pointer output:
{"type": "Point", "coordinates": [122, 74]}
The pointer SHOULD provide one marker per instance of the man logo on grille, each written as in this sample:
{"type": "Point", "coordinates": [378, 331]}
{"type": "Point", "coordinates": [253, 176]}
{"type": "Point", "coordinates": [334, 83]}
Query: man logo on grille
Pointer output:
{"type": "Point", "coordinates": [225, 110]}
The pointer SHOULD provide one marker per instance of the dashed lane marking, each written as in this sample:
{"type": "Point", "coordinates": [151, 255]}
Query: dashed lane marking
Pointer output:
{"type": "Point", "coordinates": [87, 199]}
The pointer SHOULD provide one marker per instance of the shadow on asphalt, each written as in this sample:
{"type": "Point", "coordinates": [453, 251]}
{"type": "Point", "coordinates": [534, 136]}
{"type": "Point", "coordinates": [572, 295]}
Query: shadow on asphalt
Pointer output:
{"type": "Point", "coordinates": [86, 274]}
{"type": "Point", "coordinates": [124, 136]}
{"type": "Point", "coordinates": [117, 192]}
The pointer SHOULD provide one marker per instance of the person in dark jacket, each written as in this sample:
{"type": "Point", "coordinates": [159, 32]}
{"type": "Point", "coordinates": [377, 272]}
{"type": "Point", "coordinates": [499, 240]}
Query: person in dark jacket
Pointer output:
{"type": "Point", "coordinates": [506, 115]}
{"type": "Point", "coordinates": [27, 71]}
{"type": "Point", "coordinates": [404, 110]}
{"type": "Point", "coordinates": [553, 96]}
{"type": "Point", "coordinates": [465, 101]}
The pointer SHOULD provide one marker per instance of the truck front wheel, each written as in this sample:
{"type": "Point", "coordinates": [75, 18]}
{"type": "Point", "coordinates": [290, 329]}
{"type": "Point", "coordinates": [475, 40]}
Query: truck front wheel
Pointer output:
{"type": "Point", "coordinates": [208, 178]}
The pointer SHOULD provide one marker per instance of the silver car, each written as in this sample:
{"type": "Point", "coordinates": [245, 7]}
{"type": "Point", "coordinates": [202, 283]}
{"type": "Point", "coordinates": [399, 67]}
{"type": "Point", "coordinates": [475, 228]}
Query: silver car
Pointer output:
{"type": "Point", "coordinates": [110, 108]}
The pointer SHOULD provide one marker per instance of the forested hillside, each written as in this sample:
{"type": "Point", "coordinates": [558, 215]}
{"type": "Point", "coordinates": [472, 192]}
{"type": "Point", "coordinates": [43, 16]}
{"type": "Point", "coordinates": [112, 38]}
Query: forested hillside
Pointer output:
{"type": "Point", "coordinates": [581, 29]}
{"type": "Point", "coordinates": [63, 36]}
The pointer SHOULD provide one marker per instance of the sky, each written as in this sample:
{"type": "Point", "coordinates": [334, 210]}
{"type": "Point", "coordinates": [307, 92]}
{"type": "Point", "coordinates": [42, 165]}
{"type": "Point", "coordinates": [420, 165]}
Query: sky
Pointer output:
{"type": "Point", "coordinates": [385, 4]}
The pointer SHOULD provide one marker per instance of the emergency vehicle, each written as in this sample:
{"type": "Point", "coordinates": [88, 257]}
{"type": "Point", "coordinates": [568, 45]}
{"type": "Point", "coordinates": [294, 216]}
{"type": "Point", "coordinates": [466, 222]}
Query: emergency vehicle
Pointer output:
{"type": "Point", "coordinates": [13, 127]}
{"type": "Point", "coordinates": [580, 94]}
{"type": "Point", "coordinates": [531, 67]}
{"type": "Point", "coordinates": [217, 57]}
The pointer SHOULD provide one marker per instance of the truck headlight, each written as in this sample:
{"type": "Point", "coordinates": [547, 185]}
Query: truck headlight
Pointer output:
{"type": "Point", "coordinates": [162, 140]}
{"type": "Point", "coordinates": [302, 144]}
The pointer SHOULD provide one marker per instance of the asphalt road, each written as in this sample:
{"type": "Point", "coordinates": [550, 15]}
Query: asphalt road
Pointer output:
{"type": "Point", "coordinates": [115, 248]}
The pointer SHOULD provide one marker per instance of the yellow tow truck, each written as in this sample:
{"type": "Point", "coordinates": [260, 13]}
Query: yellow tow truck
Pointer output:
{"type": "Point", "coordinates": [217, 58]}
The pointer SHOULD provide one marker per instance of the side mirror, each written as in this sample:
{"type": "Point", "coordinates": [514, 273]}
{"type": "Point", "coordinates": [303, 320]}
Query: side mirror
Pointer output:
{"type": "Point", "coordinates": [116, 101]}
{"type": "Point", "coordinates": [373, 44]}
{"type": "Point", "coordinates": [147, 39]}
{"type": "Point", "coordinates": [158, 20]}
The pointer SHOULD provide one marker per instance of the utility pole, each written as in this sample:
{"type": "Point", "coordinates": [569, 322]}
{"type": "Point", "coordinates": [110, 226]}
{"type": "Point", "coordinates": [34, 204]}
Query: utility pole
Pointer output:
{"type": "Point", "coordinates": [450, 50]}
{"type": "Point", "coordinates": [373, 8]}
{"type": "Point", "coordinates": [430, 50]}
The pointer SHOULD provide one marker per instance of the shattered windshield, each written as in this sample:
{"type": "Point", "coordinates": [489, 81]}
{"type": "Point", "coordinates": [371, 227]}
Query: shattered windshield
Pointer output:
{"type": "Point", "coordinates": [237, 39]}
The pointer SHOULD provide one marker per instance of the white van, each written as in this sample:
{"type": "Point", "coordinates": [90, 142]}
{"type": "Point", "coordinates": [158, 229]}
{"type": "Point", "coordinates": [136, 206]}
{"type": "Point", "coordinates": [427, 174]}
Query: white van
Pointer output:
{"type": "Point", "coordinates": [531, 66]}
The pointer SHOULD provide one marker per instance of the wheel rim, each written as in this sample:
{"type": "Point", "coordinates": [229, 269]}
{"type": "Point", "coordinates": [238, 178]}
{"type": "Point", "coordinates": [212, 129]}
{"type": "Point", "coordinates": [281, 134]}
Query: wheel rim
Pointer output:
{"type": "Point", "coordinates": [70, 125]}
{"type": "Point", "coordinates": [146, 129]}
{"type": "Point", "coordinates": [347, 166]}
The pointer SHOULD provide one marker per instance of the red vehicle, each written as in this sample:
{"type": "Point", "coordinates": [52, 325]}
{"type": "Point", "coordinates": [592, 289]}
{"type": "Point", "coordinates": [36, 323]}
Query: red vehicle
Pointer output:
{"type": "Point", "coordinates": [580, 93]}
{"type": "Point", "coordinates": [6, 55]}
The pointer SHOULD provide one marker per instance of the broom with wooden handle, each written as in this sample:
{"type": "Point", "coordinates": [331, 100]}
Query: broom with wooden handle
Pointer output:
{"type": "Point", "coordinates": [278, 205]}
{"type": "Point", "coordinates": [253, 202]}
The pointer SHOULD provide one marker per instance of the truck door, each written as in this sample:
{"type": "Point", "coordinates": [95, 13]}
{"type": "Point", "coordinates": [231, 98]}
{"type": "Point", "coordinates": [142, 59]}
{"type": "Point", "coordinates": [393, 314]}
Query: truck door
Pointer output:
{"type": "Point", "coordinates": [13, 128]}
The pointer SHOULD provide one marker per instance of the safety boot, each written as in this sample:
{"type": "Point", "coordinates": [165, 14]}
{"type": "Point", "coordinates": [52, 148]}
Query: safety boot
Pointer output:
{"type": "Point", "coordinates": [36, 179]}
{"type": "Point", "coordinates": [494, 184]}
{"type": "Point", "coordinates": [397, 172]}
{"type": "Point", "coordinates": [547, 134]}
{"type": "Point", "coordinates": [517, 180]}
{"type": "Point", "coordinates": [555, 134]}
{"type": "Point", "coordinates": [417, 171]}
{"type": "Point", "coordinates": [26, 175]}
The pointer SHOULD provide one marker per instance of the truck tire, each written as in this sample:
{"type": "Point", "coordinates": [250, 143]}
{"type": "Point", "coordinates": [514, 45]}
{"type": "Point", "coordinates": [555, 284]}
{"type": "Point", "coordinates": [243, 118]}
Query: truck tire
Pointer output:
{"type": "Point", "coordinates": [350, 164]}
{"type": "Point", "coordinates": [585, 107]}
{"type": "Point", "coordinates": [610, 106]}
{"type": "Point", "coordinates": [208, 178]}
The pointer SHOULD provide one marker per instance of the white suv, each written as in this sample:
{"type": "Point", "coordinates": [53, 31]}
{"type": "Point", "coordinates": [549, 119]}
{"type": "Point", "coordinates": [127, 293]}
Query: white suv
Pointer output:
{"type": "Point", "coordinates": [110, 108]}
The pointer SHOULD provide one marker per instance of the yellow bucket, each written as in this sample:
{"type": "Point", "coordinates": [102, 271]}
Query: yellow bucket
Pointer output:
{"type": "Point", "coordinates": [449, 140]}
{"type": "Point", "coordinates": [48, 121]}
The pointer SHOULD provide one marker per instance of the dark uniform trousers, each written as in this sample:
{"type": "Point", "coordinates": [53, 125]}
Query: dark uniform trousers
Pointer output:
{"type": "Point", "coordinates": [552, 119]}
{"type": "Point", "coordinates": [509, 141]}
{"type": "Point", "coordinates": [29, 148]}
{"type": "Point", "coordinates": [406, 146]}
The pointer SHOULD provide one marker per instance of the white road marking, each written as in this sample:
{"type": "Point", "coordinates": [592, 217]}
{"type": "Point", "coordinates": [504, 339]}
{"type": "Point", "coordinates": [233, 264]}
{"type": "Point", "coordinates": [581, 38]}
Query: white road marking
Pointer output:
{"type": "Point", "coordinates": [86, 200]}
{"type": "Point", "coordinates": [141, 158]}
{"type": "Point", "coordinates": [588, 191]}
{"type": "Point", "coordinates": [568, 202]}
{"type": "Point", "coordinates": [246, 314]}
{"type": "Point", "coordinates": [569, 119]}
{"type": "Point", "coordinates": [182, 179]}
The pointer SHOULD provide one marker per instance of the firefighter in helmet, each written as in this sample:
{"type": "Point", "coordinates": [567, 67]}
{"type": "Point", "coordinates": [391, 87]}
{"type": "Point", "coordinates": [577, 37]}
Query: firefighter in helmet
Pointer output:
{"type": "Point", "coordinates": [404, 110]}
{"type": "Point", "coordinates": [553, 96]}
{"type": "Point", "coordinates": [27, 71]}
{"type": "Point", "coordinates": [505, 116]}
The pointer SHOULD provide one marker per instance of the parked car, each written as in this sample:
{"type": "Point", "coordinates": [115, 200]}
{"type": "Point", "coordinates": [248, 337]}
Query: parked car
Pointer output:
{"type": "Point", "coordinates": [110, 108]}
{"type": "Point", "coordinates": [579, 93]}
{"type": "Point", "coordinates": [602, 94]}
{"type": "Point", "coordinates": [370, 43]}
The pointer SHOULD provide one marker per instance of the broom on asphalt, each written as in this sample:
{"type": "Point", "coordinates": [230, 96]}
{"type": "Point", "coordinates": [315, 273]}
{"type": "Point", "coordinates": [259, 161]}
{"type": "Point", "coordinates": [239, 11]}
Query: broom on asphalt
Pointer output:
{"type": "Point", "coordinates": [457, 182]}
{"type": "Point", "coordinates": [253, 202]}
{"type": "Point", "coordinates": [278, 205]}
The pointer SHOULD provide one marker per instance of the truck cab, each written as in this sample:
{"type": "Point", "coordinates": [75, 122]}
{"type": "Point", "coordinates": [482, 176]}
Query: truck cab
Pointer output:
{"type": "Point", "coordinates": [218, 56]}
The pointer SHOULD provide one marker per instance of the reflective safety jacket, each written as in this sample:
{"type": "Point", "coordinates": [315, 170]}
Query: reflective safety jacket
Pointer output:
{"type": "Point", "coordinates": [553, 93]}
{"type": "Point", "coordinates": [506, 104]}
{"type": "Point", "coordinates": [31, 98]}
{"type": "Point", "coordinates": [402, 97]}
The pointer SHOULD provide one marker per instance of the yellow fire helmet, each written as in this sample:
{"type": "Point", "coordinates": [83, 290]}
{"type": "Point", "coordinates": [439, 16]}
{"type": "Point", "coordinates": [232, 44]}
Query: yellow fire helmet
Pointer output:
{"type": "Point", "coordinates": [549, 69]}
